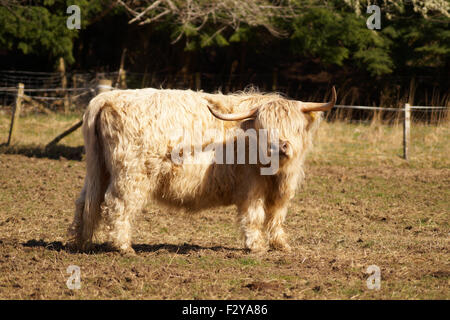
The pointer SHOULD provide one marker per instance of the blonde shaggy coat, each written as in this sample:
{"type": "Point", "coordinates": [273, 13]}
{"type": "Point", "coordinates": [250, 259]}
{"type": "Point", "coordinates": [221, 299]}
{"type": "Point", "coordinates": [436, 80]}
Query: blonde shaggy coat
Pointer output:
{"type": "Point", "coordinates": [129, 137]}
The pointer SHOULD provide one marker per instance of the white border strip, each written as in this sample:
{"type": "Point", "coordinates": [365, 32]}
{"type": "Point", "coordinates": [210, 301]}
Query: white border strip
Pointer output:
{"type": "Point", "coordinates": [387, 109]}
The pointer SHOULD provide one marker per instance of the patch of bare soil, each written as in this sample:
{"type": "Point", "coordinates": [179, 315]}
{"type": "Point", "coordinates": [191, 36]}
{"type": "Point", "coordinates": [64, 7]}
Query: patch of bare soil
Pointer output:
{"type": "Point", "coordinates": [343, 220]}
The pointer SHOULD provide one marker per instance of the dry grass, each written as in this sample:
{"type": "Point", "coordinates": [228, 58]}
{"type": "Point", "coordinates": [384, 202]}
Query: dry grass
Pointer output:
{"type": "Point", "coordinates": [361, 205]}
{"type": "Point", "coordinates": [361, 144]}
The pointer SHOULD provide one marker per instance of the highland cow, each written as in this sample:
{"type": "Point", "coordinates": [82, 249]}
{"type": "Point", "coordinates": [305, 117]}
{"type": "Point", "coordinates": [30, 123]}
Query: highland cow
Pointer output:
{"type": "Point", "coordinates": [131, 137]}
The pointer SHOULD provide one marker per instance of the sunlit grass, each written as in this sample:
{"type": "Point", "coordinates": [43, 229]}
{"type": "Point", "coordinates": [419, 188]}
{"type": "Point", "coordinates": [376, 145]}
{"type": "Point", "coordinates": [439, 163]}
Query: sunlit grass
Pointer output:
{"type": "Point", "coordinates": [361, 204]}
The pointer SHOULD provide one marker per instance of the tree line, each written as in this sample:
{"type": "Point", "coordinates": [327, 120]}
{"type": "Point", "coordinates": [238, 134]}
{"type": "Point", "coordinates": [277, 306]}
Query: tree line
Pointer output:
{"type": "Point", "coordinates": [307, 44]}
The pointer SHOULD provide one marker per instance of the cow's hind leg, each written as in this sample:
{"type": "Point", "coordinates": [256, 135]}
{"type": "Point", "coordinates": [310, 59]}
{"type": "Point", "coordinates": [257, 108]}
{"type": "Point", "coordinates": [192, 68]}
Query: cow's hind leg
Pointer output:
{"type": "Point", "coordinates": [75, 229]}
{"type": "Point", "coordinates": [274, 227]}
{"type": "Point", "coordinates": [125, 197]}
{"type": "Point", "coordinates": [251, 217]}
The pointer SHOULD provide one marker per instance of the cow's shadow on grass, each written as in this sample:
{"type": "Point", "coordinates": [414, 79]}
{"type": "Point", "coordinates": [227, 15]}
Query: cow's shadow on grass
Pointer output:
{"type": "Point", "coordinates": [37, 151]}
{"type": "Point", "coordinates": [180, 249]}
{"type": "Point", "coordinates": [139, 248]}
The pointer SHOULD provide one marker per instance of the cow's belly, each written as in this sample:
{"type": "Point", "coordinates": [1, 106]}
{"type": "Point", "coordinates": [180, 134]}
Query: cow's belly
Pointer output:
{"type": "Point", "coordinates": [195, 184]}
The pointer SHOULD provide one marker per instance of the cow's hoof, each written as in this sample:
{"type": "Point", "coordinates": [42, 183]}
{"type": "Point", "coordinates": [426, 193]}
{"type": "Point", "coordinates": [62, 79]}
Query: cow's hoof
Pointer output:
{"type": "Point", "coordinates": [281, 246]}
{"type": "Point", "coordinates": [73, 246]}
{"type": "Point", "coordinates": [257, 248]}
{"type": "Point", "coordinates": [77, 245]}
{"type": "Point", "coordinates": [127, 251]}
{"type": "Point", "coordinates": [259, 251]}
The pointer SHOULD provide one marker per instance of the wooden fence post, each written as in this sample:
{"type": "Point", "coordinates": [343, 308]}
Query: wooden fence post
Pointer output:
{"type": "Point", "coordinates": [104, 85]}
{"type": "Point", "coordinates": [121, 81]}
{"type": "Point", "coordinates": [62, 71]}
{"type": "Point", "coordinates": [74, 81]}
{"type": "Point", "coordinates": [406, 131]}
{"type": "Point", "coordinates": [16, 112]}
{"type": "Point", "coordinates": [198, 81]}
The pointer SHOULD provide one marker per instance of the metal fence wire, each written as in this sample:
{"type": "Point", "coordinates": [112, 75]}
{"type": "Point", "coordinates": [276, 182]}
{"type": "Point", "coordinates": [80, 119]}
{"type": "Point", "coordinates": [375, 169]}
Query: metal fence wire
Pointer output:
{"type": "Point", "coordinates": [51, 90]}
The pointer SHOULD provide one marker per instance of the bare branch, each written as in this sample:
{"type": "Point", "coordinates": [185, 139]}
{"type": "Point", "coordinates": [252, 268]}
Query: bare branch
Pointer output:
{"type": "Point", "coordinates": [151, 7]}
{"type": "Point", "coordinates": [149, 20]}
{"type": "Point", "coordinates": [223, 13]}
{"type": "Point", "coordinates": [123, 4]}
{"type": "Point", "coordinates": [171, 6]}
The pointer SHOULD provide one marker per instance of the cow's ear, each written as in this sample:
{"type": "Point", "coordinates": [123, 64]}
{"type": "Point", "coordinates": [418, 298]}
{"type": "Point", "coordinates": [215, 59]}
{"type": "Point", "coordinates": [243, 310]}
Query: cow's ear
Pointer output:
{"type": "Point", "coordinates": [314, 115]}
{"type": "Point", "coordinates": [314, 119]}
{"type": "Point", "coordinates": [285, 148]}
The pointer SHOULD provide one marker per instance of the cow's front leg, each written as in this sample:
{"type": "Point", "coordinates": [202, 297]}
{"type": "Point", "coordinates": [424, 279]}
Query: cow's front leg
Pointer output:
{"type": "Point", "coordinates": [274, 227]}
{"type": "Point", "coordinates": [251, 217]}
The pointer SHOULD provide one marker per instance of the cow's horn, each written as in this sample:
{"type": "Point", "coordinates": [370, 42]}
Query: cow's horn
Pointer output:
{"type": "Point", "coordinates": [317, 106]}
{"type": "Point", "coordinates": [234, 116]}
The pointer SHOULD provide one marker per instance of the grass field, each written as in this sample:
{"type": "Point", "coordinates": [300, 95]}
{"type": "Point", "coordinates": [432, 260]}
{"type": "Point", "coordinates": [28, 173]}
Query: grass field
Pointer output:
{"type": "Point", "coordinates": [361, 205]}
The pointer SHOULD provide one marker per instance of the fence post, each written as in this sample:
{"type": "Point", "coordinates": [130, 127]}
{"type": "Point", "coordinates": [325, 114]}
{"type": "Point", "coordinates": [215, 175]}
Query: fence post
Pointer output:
{"type": "Point", "coordinates": [198, 81]}
{"type": "Point", "coordinates": [104, 85]}
{"type": "Point", "coordinates": [16, 112]}
{"type": "Point", "coordinates": [121, 77]}
{"type": "Point", "coordinates": [74, 81]}
{"type": "Point", "coordinates": [62, 71]}
{"type": "Point", "coordinates": [406, 131]}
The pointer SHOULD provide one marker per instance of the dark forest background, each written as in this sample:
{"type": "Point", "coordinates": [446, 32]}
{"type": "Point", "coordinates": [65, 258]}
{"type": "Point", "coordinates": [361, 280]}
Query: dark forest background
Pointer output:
{"type": "Point", "coordinates": [300, 48]}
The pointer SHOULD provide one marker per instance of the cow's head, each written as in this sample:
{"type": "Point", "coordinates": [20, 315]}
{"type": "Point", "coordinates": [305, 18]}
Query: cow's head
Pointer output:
{"type": "Point", "coordinates": [294, 121]}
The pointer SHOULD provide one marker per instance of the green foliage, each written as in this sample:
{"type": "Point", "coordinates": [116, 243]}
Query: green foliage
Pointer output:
{"type": "Point", "coordinates": [242, 34]}
{"type": "Point", "coordinates": [423, 43]}
{"type": "Point", "coordinates": [198, 40]}
{"type": "Point", "coordinates": [339, 37]}
{"type": "Point", "coordinates": [331, 32]}
{"type": "Point", "coordinates": [41, 29]}
{"type": "Point", "coordinates": [221, 41]}
{"type": "Point", "coordinates": [189, 30]}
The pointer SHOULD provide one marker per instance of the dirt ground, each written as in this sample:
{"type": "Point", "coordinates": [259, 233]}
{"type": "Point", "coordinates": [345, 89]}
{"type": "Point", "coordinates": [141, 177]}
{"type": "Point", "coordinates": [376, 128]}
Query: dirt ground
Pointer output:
{"type": "Point", "coordinates": [347, 216]}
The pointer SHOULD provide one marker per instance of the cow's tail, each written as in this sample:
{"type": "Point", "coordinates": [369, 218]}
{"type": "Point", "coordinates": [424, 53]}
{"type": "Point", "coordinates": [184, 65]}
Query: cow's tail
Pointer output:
{"type": "Point", "coordinates": [87, 206]}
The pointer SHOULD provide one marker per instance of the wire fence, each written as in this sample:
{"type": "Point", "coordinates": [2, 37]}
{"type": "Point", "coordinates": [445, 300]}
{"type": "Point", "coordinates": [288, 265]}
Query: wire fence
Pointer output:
{"type": "Point", "coordinates": [49, 92]}
{"type": "Point", "coordinates": [71, 91]}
